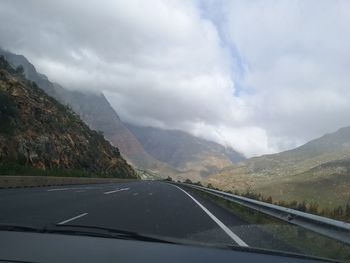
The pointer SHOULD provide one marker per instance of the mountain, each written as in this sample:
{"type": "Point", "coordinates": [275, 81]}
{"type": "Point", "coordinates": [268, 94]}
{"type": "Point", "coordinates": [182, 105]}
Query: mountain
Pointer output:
{"type": "Point", "coordinates": [95, 110]}
{"type": "Point", "coordinates": [318, 170]}
{"type": "Point", "coordinates": [196, 158]}
{"type": "Point", "coordinates": [37, 131]}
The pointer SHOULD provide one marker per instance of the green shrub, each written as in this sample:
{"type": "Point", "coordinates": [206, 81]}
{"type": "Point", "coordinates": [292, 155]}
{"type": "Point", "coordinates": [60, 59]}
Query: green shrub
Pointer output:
{"type": "Point", "coordinates": [8, 113]}
{"type": "Point", "coordinates": [188, 181]}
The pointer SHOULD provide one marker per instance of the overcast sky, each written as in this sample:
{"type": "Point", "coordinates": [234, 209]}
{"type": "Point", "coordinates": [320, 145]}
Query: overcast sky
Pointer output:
{"type": "Point", "coordinates": [260, 76]}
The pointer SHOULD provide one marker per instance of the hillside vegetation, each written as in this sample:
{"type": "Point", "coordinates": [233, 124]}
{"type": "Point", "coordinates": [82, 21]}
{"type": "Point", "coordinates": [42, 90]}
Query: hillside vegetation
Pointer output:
{"type": "Point", "coordinates": [317, 171]}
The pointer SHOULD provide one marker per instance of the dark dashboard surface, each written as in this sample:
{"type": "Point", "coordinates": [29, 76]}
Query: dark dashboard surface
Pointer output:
{"type": "Point", "coordinates": [44, 247]}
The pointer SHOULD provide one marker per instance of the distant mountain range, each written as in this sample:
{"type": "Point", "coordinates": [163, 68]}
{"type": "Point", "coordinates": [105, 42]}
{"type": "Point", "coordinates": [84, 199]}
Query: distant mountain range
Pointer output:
{"type": "Point", "coordinates": [37, 131]}
{"type": "Point", "coordinates": [318, 170]}
{"type": "Point", "coordinates": [187, 153]}
{"type": "Point", "coordinates": [190, 157]}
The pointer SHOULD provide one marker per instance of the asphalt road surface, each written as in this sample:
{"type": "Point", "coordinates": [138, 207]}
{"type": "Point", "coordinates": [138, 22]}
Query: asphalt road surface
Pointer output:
{"type": "Point", "coordinates": [146, 207]}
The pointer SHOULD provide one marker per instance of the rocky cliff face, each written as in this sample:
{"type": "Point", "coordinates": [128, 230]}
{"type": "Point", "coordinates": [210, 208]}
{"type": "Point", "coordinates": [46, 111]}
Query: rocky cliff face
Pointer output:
{"type": "Point", "coordinates": [38, 131]}
{"type": "Point", "coordinates": [95, 111]}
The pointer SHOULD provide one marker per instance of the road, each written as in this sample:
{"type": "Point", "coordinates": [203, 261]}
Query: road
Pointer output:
{"type": "Point", "coordinates": [147, 207]}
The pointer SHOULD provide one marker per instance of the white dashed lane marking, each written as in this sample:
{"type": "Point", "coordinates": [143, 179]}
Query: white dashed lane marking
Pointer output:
{"type": "Point", "coordinates": [73, 218]}
{"type": "Point", "coordinates": [117, 190]}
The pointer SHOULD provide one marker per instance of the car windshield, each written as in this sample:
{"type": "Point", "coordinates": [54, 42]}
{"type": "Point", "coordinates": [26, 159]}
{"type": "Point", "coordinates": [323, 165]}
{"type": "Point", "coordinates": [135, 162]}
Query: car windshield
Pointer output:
{"type": "Point", "coordinates": [218, 124]}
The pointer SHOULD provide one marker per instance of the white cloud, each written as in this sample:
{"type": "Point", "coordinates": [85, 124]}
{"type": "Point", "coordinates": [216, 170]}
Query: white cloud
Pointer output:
{"type": "Point", "coordinates": [175, 64]}
{"type": "Point", "coordinates": [297, 56]}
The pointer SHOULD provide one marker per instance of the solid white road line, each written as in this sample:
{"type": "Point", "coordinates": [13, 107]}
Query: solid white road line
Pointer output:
{"type": "Point", "coordinates": [118, 190]}
{"type": "Point", "coordinates": [216, 220]}
{"type": "Point", "coordinates": [71, 219]}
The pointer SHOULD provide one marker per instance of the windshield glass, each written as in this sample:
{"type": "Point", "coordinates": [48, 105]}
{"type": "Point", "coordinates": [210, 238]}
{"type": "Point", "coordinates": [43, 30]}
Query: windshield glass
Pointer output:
{"type": "Point", "coordinates": [209, 123]}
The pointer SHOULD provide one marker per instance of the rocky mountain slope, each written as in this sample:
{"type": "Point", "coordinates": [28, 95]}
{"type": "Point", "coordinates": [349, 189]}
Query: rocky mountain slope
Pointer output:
{"type": "Point", "coordinates": [38, 131]}
{"type": "Point", "coordinates": [186, 156]}
{"type": "Point", "coordinates": [195, 157]}
{"type": "Point", "coordinates": [318, 170]}
{"type": "Point", "coordinates": [95, 110]}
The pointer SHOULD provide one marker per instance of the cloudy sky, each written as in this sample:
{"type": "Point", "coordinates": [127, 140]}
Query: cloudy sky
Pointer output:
{"type": "Point", "coordinates": [261, 76]}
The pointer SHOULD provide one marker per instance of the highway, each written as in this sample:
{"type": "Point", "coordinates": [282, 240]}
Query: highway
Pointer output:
{"type": "Point", "coordinates": [146, 207]}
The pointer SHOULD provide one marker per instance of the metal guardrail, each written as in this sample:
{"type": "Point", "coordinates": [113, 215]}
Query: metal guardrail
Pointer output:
{"type": "Point", "coordinates": [328, 227]}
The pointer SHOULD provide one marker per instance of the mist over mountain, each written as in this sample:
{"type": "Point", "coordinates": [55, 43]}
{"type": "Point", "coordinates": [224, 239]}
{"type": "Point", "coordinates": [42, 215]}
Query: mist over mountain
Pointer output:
{"type": "Point", "coordinates": [259, 89]}
{"type": "Point", "coordinates": [184, 151]}
{"type": "Point", "coordinates": [38, 131]}
{"type": "Point", "coordinates": [94, 109]}
{"type": "Point", "coordinates": [189, 157]}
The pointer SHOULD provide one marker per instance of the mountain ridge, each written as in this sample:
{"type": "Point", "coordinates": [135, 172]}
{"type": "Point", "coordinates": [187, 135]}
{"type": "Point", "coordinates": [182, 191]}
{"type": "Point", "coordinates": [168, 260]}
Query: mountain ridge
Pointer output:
{"type": "Point", "coordinates": [104, 119]}
{"type": "Point", "coordinates": [189, 154]}
{"type": "Point", "coordinates": [38, 131]}
{"type": "Point", "coordinates": [95, 110]}
{"type": "Point", "coordinates": [323, 162]}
